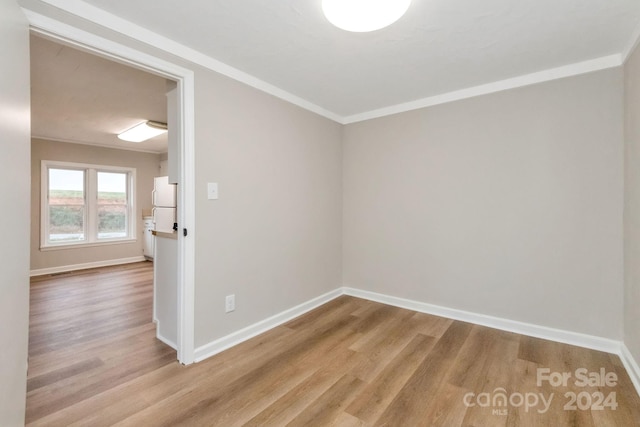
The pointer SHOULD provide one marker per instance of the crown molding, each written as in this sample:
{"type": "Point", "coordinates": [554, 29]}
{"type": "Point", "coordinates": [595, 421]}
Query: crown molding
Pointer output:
{"type": "Point", "coordinates": [631, 45]}
{"type": "Point", "coordinates": [95, 145]}
{"type": "Point", "coordinates": [134, 31]}
{"type": "Point", "coordinates": [576, 69]}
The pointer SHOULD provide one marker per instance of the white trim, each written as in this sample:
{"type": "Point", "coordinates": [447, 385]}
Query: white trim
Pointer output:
{"type": "Point", "coordinates": [184, 77]}
{"type": "Point", "coordinates": [598, 64]}
{"type": "Point", "coordinates": [90, 193]}
{"type": "Point", "coordinates": [529, 329]}
{"type": "Point", "coordinates": [97, 145]}
{"type": "Point", "coordinates": [113, 22]}
{"type": "Point", "coordinates": [186, 211]}
{"type": "Point", "coordinates": [165, 340]}
{"type": "Point", "coordinates": [633, 43]}
{"type": "Point", "coordinates": [66, 246]}
{"type": "Point", "coordinates": [262, 326]}
{"type": "Point", "coordinates": [631, 365]}
{"type": "Point", "coordinates": [86, 265]}
{"type": "Point", "coordinates": [129, 29]}
{"type": "Point", "coordinates": [83, 40]}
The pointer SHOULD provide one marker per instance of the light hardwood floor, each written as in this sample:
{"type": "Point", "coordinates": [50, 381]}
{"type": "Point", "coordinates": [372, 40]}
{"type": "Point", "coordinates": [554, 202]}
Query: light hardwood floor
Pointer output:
{"type": "Point", "coordinates": [94, 361]}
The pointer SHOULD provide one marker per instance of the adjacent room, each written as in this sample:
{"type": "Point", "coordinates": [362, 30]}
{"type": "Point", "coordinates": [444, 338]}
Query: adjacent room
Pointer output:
{"type": "Point", "coordinates": [99, 205]}
{"type": "Point", "coordinates": [428, 218]}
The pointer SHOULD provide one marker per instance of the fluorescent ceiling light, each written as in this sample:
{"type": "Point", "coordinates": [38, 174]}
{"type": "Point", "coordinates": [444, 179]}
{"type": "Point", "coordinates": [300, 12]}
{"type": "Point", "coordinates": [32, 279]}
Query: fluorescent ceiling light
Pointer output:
{"type": "Point", "coordinates": [364, 15]}
{"type": "Point", "coordinates": [143, 131]}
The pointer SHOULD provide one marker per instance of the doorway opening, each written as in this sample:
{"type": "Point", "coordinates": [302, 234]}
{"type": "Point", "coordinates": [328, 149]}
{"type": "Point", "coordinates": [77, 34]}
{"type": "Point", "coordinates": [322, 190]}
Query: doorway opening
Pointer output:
{"type": "Point", "coordinates": [182, 159]}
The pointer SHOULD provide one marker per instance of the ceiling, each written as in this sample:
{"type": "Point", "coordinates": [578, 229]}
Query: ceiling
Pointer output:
{"type": "Point", "coordinates": [82, 98]}
{"type": "Point", "coordinates": [439, 50]}
{"type": "Point", "coordinates": [438, 47]}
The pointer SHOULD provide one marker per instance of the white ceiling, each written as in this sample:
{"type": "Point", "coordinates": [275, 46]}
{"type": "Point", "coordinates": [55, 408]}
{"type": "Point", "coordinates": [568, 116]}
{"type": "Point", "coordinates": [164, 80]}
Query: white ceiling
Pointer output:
{"type": "Point", "coordinates": [441, 50]}
{"type": "Point", "coordinates": [438, 47]}
{"type": "Point", "coordinates": [82, 98]}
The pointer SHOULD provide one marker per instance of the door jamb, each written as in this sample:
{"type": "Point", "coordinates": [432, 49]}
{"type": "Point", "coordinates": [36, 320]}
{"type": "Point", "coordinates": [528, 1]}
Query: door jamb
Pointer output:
{"type": "Point", "coordinates": [184, 77]}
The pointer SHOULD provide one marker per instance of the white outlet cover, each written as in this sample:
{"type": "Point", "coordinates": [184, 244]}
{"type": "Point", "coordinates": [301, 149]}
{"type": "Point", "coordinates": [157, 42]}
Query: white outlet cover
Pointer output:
{"type": "Point", "coordinates": [230, 303]}
{"type": "Point", "coordinates": [212, 190]}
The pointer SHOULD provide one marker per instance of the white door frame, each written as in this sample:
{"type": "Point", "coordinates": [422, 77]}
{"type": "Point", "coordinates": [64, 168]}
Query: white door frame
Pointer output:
{"type": "Point", "coordinates": [86, 41]}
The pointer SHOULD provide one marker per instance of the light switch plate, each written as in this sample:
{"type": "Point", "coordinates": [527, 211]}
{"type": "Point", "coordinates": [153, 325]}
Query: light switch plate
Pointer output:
{"type": "Point", "coordinates": [212, 190]}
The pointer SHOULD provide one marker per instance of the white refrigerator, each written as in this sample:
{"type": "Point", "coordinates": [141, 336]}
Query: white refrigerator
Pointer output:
{"type": "Point", "coordinates": [164, 205]}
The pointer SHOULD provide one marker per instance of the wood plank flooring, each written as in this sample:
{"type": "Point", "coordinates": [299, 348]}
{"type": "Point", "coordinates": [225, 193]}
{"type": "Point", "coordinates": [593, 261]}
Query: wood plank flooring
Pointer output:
{"type": "Point", "coordinates": [94, 361]}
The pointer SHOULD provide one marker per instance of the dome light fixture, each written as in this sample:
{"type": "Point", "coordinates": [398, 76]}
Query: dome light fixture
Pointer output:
{"type": "Point", "coordinates": [361, 16]}
{"type": "Point", "coordinates": [143, 131]}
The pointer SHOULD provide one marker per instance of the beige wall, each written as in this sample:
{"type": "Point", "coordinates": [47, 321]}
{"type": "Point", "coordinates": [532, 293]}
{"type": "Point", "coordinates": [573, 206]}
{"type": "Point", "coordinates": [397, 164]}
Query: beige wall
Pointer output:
{"type": "Point", "coordinates": [632, 205]}
{"type": "Point", "coordinates": [274, 237]}
{"type": "Point", "coordinates": [14, 196]}
{"type": "Point", "coordinates": [147, 166]}
{"type": "Point", "coordinates": [508, 204]}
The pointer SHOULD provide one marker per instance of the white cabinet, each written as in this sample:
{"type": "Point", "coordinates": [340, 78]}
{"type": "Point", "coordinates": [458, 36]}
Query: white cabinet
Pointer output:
{"type": "Point", "coordinates": [148, 240]}
{"type": "Point", "coordinates": [165, 290]}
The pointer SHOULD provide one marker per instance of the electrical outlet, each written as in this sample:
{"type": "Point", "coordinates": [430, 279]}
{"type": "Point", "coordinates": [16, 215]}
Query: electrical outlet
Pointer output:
{"type": "Point", "coordinates": [230, 303]}
{"type": "Point", "coordinates": [212, 190]}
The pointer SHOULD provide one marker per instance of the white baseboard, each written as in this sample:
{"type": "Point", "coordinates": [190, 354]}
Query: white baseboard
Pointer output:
{"type": "Point", "coordinates": [543, 332]}
{"type": "Point", "coordinates": [258, 328]}
{"type": "Point", "coordinates": [74, 267]}
{"type": "Point", "coordinates": [559, 335]}
{"type": "Point", "coordinates": [631, 365]}
{"type": "Point", "coordinates": [164, 339]}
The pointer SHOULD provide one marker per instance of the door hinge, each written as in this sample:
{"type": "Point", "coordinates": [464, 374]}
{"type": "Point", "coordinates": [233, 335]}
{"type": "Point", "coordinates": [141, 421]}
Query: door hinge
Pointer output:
{"type": "Point", "coordinates": [184, 232]}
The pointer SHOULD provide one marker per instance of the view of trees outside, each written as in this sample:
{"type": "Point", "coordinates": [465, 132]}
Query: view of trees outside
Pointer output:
{"type": "Point", "coordinates": [67, 205]}
{"type": "Point", "coordinates": [112, 205]}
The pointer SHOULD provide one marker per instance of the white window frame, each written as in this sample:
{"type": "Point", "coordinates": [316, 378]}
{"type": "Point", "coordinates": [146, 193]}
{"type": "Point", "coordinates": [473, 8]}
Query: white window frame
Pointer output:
{"type": "Point", "coordinates": [91, 205]}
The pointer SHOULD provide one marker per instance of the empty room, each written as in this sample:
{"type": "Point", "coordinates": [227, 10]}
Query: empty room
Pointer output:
{"type": "Point", "coordinates": [398, 213]}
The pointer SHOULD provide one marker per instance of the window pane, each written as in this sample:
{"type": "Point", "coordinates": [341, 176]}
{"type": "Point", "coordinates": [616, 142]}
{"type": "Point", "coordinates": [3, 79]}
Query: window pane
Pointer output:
{"type": "Point", "coordinates": [66, 187]}
{"type": "Point", "coordinates": [112, 205]}
{"type": "Point", "coordinates": [112, 188]}
{"type": "Point", "coordinates": [112, 221]}
{"type": "Point", "coordinates": [66, 223]}
{"type": "Point", "coordinates": [66, 205]}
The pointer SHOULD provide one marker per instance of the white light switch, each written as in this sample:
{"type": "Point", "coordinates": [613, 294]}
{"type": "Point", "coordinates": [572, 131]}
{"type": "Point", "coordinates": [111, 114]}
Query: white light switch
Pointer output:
{"type": "Point", "coordinates": [212, 190]}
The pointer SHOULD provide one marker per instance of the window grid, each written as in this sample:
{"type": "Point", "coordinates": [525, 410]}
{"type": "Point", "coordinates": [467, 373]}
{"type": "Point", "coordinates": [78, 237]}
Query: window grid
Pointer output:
{"type": "Point", "coordinates": [86, 204]}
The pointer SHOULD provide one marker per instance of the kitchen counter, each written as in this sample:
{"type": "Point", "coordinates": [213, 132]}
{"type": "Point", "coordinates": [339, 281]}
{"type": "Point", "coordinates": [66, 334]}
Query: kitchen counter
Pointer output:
{"type": "Point", "coordinates": [166, 235]}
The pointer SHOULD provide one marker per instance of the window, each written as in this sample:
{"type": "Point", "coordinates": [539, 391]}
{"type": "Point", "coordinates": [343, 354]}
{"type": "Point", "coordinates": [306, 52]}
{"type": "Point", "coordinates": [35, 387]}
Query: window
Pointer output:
{"type": "Point", "coordinates": [86, 204]}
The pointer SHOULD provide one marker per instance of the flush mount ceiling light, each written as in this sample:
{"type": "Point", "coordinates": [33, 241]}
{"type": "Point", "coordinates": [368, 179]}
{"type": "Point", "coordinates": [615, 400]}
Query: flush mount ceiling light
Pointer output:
{"type": "Point", "coordinates": [143, 131]}
{"type": "Point", "coordinates": [361, 16]}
